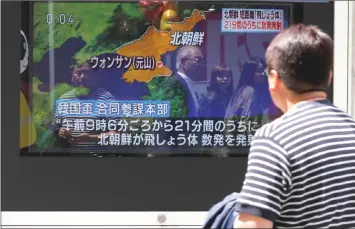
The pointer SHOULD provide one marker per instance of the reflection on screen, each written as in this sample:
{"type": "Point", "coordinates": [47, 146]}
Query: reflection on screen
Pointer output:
{"type": "Point", "coordinates": [150, 77]}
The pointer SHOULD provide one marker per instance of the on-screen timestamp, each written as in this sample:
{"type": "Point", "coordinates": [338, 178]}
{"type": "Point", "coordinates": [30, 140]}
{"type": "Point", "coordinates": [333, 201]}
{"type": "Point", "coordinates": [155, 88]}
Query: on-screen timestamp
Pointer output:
{"type": "Point", "coordinates": [60, 19]}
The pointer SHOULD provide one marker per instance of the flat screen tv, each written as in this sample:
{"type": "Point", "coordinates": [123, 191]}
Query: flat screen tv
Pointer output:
{"type": "Point", "coordinates": [147, 78]}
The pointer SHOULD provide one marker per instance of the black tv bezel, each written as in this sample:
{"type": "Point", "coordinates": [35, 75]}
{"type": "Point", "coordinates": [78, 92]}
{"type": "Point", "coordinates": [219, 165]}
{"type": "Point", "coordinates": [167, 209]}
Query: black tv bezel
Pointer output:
{"type": "Point", "coordinates": [100, 184]}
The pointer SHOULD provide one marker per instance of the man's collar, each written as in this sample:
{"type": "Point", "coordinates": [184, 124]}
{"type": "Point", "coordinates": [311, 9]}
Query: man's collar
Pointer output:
{"type": "Point", "coordinates": [182, 74]}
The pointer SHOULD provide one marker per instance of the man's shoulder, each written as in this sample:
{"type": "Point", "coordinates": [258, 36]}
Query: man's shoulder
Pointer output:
{"type": "Point", "coordinates": [268, 129]}
{"type": "Point", "coordinates": [174, 77]}
{"type": "Point", "coordinates": [304, 120]}
{"type": "Point", "coordinates": [175, 80]}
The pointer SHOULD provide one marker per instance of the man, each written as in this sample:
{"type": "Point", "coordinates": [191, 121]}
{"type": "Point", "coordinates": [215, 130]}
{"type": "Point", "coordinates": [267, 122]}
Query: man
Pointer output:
{"type": "Point", "coordinates": [301, 167]}
{"type": "Point", "coordinates": [190, 64]}
{"type": "Point", "coordinates": [180, 90]}
{"type": "Point", "coordinates": [86, 83]}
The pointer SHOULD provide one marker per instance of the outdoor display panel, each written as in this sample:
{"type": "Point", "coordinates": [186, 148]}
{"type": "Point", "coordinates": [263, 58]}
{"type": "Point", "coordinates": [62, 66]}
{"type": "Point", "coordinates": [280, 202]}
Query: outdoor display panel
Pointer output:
{"type": "Point", "coordinates": [123, 184]}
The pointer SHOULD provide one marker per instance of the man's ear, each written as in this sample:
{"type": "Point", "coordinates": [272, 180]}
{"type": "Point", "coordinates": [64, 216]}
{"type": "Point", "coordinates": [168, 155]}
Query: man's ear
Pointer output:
{"type": "Point", "coordinates": [330, 77]}
{"type": "Point", "coordinates": [274, 80]}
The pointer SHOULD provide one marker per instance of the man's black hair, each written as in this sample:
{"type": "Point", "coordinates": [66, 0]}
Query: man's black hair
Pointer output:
{"type": "Point", "coordinates": [303, 57]}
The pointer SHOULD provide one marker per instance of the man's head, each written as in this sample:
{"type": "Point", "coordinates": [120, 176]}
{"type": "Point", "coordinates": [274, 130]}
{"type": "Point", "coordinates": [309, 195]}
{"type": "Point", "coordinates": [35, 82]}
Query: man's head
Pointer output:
{"type": "Point", "coordinates": [190, 61]}
{"type": "Point", "coordinates": [299, 64]}
{"type": "Point", "coordinates": [83, 76]}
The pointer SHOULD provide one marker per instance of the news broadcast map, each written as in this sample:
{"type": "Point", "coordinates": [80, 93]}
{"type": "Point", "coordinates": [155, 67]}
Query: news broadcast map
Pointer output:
{"type": "Point", "coordinates": [155, 43]}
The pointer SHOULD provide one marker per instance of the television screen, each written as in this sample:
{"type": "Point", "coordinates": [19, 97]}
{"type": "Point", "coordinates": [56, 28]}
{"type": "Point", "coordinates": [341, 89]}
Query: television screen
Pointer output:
{"type": "Point", "coordinates": [147, 78]}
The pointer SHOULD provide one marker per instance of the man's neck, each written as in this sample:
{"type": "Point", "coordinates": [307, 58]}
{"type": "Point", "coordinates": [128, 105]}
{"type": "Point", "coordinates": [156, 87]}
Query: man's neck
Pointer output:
{"type": "Point", "coordinates": [311, 96]}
